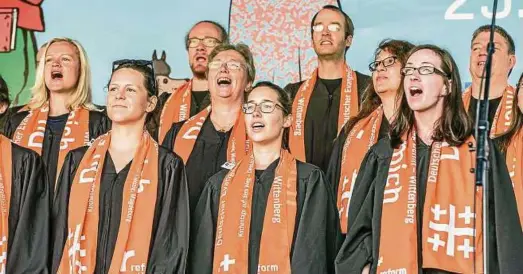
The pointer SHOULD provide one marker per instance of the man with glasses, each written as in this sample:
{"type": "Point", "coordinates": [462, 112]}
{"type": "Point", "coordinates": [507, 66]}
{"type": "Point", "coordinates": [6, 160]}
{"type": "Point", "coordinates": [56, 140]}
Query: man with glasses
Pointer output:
{"type": "Point", "coordinates": [326, 101]}
{"type": "Point", "coordinates": [193, 96]}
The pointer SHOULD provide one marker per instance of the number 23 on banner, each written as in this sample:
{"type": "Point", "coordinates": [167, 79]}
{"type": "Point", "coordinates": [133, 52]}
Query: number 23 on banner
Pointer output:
{"type": "Point", "coordinates": [453, 14]}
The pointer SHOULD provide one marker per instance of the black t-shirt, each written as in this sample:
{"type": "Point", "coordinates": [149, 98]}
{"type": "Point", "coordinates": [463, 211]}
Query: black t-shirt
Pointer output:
{"type": "Point", "coordinates": [331, 84]}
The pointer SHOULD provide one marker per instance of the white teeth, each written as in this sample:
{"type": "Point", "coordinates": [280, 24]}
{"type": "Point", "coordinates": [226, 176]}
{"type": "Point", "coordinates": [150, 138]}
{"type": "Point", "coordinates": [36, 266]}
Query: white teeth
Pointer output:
{"type": "Point", "coordinates": [326, 43]}
{"type": "Point", "coordinates": [481, 63]}
{"type": "Point", "coordinates": [256, 125]}
{"type": "Point", "coordinates": [224, 81]}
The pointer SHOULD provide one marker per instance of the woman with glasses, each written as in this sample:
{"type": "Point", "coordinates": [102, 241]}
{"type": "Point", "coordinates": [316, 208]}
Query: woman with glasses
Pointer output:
{"type": "Point", "coordinates": [380, 102]}
{"type": "Point", "coordinates": [270, 212]}
{"type": "Point", "coordinates": [215, 138]}
{"type": "Point", "coordinates": [122, 203]}
{"type": "Point", "coordinates": [415, 208]}
{"type": "Point", "coordinates": [60, 116]}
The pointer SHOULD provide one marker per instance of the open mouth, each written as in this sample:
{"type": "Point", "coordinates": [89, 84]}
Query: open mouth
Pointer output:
{"type": "Point", "coordinates": [415, 91]}
{"type": "Point", "coordinates": [201, 59]}
{"type": "Point", "coordinates": [481, 63]}
{"type": "Point", "coordinates": [224, 82]}
{"type": "Point", "coordinates": [257, 126]}
{"type": "Point", "coordinates": [56, 75]}
{"type": "Point", "coordinates": [324, 42]}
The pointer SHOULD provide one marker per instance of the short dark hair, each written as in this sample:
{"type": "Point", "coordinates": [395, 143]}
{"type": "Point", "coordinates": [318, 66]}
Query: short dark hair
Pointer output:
{"type": "Point", "coordinates": [223, 32]}
{"type": "Point", "coordinates": [4, 92]}
{"type": "Point", "coordinates": [244, 51]}
{"type": "Point", "coordinates": [499, 30]}
{"type": "Point", "coordinates": [348, 25]}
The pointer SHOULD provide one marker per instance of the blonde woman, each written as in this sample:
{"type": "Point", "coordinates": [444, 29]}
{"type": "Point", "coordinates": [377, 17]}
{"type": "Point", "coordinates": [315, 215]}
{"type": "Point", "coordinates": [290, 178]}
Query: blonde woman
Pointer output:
{"type": "Point", "coordinates": [60, 116]}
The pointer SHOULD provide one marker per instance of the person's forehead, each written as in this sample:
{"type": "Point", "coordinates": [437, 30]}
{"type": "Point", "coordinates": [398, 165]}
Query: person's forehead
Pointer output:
{"type": "Point", "coordinates": [484, 38]}
{"type": "Point", "coordinates": [261, 94]}
{"type": "Point", "coordinates": [205, 30]}
{"type": "Point", "coordinates": [424, 56]}
{"type": "Point", "coordinates": [327, 16]}
{"type": "Point", "coordinates": [62, 47]}
{"type": "Point", "coordinates": [229, 55]}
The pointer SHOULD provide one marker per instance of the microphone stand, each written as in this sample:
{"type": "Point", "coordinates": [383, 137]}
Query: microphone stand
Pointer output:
{"type": "Point", "coordinates": [482, 135]}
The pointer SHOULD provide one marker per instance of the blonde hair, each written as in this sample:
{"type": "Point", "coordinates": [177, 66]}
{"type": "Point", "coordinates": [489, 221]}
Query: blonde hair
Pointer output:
{"type": "Point", "coordinates": [81, 97]}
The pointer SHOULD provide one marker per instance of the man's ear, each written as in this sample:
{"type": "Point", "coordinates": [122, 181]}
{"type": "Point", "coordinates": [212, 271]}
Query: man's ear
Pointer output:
{"type": "Point", "coordinates": [348, 41]}
{"type": "Point", "coordinates": [512, 61]}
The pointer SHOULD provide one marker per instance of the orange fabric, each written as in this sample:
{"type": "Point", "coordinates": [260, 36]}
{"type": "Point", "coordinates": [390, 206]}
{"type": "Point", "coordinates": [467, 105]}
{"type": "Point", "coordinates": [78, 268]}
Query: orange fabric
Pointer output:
{"type": "Point", "coordinates": [31, 131]}
{"type": "Point", "coordinates": [234, 218]}
{"type": "Point", "coordinates": [138, 203]}
{"type": "Point", "coordinates": [5, 196]}
{"type": "Point", "coordinates": [515, 167]}
{"type": "Point", "coordinates": [237, 147]}
{"type": "Point", "coordinates": [348, 108]}
{"type": "Point", "coordinates": [505, 108]}
{"type": "Point", "coordinates": [359, 140]}
{"type": "Point", "coordinates": [177, 108]}
{"type": "Point", "coordinates": [451, 233]}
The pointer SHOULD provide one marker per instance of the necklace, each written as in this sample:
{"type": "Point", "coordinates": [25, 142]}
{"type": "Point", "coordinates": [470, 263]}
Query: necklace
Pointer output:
{"type": "Point", "coordinates": [222, 128]}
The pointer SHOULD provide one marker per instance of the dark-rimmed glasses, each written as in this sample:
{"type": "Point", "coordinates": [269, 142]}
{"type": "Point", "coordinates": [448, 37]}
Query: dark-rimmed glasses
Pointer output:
{"type": "Point", "coordinates": [423, 70]}
{"type": "Point", "coordinates": [387, 62]}
{"type": "Point", "coordinates": [207, 42]}
{"type": "Point", "coordinates": [265, 107]}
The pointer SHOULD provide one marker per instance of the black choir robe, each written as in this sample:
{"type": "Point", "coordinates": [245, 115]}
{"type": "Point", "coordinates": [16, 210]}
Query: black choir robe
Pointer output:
{"type": "Point", "coordinates": [321, 119]}
{"type": "Point", "coordinates": [207, 157]}
{"type": "Point", "coordinates": [362, 242]}
{"type": "Point", "coordinates": [170, 234]}
{"type": "Point", "coordinates": [29, 212]}
{"type": "Point", "coordinates": [99, 124]}
{"type": "Point", "coordinates": [316, 236]}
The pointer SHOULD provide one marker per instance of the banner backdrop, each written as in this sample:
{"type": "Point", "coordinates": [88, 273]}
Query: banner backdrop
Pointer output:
{"type": "Point", "coordinates": [278, 31]}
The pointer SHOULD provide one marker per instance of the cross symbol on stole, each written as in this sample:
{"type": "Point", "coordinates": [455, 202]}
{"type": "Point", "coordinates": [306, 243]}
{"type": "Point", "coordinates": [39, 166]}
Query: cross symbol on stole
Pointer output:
{"type": "Point", "coordinates": [227, 261]}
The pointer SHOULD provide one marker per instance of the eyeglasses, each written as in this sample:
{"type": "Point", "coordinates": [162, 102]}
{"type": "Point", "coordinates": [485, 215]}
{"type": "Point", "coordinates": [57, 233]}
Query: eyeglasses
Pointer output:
{"type": "Point", "coordinates": [387, 62]}
{"type": "Point", "coordinates": [139, 63]}
{"type": "Point", "coordinates": [207, 41]}
{"type": "Point", "coordinates": [330, 27]}
{"type": "Point", "coordinates": [230, 65]}
{"type": "Point", "coordinates": [423, 70]}
{"type": "Point", "coordinates": [265, 107]}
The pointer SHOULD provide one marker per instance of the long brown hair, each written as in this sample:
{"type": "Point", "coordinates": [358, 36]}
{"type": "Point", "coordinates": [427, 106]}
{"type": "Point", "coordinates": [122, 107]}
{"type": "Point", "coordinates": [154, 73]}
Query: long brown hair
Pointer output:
{"type": "Point", "coordinates": [455, 125]}
{"type": "Point", "coordinates": [504, 140]}
{"type": "Point", "coordinates": [370, 99]}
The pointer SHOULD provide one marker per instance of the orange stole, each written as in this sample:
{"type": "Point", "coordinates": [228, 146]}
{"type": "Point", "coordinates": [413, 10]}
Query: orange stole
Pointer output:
{"type": "Point", "coordinates": [348, 108]}
{"type": "Point", "coordinates": [234, 218]}
{"type": "Point", "coordinates": [451, 229]}
{"type": "Point", "coordinates": [139, 198]}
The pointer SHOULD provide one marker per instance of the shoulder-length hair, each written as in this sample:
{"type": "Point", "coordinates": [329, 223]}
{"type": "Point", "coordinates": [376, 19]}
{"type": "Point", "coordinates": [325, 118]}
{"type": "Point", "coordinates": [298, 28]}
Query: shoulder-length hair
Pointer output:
{"type": "Point", "coordinates": [82, 97]}
{"type": "Point", "coordinates": [517, 120]}
{"type": "Point", "coordinates": [454, 125]}
{"type": "Point", "coordinates": [370, 99]}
